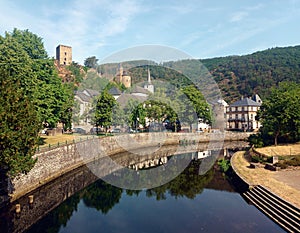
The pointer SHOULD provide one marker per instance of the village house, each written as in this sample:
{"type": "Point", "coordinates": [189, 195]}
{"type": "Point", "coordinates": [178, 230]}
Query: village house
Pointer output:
{"type": "Point", "coordinates": [241, 115]}
{"type": "Point", "coordinates": [84, 99]}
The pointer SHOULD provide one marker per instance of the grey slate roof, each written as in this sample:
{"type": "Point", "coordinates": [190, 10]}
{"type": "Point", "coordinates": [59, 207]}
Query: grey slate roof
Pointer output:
{"type": "Point", "coordinates": [114, 91]}
{"type": "Point", "coordinates": [92, 93]}
{"type": "Point", "coordinates": [124, 98]}
{"type": "Point", "coordinates": [138, 89]}
{"type": "Point", "coordinates": [82, 96]}
{"type": "Point", "coordinates": [245, 102]}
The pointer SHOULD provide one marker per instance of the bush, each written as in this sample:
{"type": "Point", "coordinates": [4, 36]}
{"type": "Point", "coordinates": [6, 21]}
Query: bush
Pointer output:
{"type": "Point", "coordinates": [289, 161]}
{"type": "Point", "coordinates": [256, 140]}
{"type": "Point", "coordinates": [224, 164]}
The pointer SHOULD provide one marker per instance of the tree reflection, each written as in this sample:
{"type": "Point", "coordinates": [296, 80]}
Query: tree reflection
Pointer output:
{"type": "Point", "coordinates": [101, 196]}
{"type": "Point", "coordinates": [57, 218]}
{"type": "Point", "coordinates": [187, 184]}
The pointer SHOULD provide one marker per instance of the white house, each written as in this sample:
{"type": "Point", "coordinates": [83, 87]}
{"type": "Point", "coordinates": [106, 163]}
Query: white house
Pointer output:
{"type": "Point", "coordinates": [241, 115]}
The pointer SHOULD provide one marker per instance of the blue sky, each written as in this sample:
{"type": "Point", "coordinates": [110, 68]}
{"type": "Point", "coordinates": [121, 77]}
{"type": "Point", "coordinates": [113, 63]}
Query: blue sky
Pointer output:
{"type": "Point", "coordinates": [200, 28]}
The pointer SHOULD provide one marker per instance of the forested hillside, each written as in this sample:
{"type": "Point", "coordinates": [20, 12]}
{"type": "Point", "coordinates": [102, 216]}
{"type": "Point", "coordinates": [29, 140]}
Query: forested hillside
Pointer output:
{"type": "Point", "coordinates": [255, 73]}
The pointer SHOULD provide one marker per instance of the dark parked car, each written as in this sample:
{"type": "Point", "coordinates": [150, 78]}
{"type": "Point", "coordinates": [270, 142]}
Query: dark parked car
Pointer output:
{"type": "Point", "coordinates": [79, 130]}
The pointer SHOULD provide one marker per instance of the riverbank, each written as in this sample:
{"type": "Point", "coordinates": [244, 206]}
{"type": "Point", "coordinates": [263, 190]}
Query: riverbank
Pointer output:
{"type": "Point", "coordinates": [284, 183]}
{"type": "Point", "coordinates": [55, 162]}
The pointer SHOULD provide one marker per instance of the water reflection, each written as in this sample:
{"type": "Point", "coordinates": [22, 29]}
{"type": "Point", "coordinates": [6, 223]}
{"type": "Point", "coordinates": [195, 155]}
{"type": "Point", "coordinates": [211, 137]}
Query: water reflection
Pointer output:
{"type": "Point", "coordinates": [79, 202]}
{"type": "Point", "coordinates": [103, 196]}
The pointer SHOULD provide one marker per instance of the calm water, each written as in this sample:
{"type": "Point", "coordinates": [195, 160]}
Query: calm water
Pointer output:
{"type": "Point", "coordinates": [189, 203]}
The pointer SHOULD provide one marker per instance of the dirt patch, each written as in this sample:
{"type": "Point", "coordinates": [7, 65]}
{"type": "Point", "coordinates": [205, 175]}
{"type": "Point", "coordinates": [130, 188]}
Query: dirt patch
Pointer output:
{"type": "Point", "coordinates": [290, 149]}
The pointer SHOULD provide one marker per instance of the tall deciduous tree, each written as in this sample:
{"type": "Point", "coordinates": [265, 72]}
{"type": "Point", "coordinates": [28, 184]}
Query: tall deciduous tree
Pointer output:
{"type": "Point", "coordinates": [280, 113]}
{"type": "Point", "coordinates": [52, 98]}
{"type": "Point", "coordinates": [31, 93]}
{"type": "Point", "coordinates": [31, 43]}
{"type": "Point", "coordinates": [91, 62]}
{"type": "Point", "coordinates": [104, 108]}
{"type": "Point", "coordinates": [137, 116]}
{"type": "Point", "coordinates": [201, 107]}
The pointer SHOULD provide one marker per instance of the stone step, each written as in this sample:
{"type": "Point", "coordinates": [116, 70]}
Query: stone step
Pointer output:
{"type": "Point", "coordinates": [277, 208]}
{"type": "Point", "coordinates": [287, 207]}
{"type": "Point", "coordinates": [271, 214]}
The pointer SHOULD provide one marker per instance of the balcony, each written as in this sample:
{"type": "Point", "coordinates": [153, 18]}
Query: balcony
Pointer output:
{"type": "Point", "coordinates": [240, 119]}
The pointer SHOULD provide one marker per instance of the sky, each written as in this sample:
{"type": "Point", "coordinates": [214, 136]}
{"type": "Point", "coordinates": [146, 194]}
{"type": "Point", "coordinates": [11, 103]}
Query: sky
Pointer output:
{"type": "Point", "coordinates": [199, 28]}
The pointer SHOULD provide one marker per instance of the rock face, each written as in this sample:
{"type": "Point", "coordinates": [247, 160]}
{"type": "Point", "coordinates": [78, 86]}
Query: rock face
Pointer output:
{"type": "Point", "coordinates": [65, 74]}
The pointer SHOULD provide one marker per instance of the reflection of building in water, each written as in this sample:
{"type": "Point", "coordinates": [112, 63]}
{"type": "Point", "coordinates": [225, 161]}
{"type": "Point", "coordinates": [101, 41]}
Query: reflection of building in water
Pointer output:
{"type": "Point", "coordinates": [201, 154]}
{"type": "Point", "coordinates": [149, 163]}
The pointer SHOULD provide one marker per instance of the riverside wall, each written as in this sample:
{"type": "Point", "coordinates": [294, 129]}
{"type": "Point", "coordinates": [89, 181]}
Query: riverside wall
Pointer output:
{"type": "Point", "coordinates": [56, 162]}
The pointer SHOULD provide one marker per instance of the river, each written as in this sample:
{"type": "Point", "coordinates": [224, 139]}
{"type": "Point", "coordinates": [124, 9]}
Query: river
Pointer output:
{"type": "Point", "coordinates": [191, 202]}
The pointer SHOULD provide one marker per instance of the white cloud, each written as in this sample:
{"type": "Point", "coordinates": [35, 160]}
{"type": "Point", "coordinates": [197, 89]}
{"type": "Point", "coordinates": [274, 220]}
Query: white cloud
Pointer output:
{"type": "Point", "coordinates": [238, 16]}
{"type": "Point", "coordinates": [83, 24]}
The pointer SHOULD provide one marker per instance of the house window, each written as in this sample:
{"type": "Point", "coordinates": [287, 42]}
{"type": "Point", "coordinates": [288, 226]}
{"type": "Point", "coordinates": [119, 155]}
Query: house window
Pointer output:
{"type": "Point", "coordinates": [236, 109]}
{"type": "Point", "coordinates": [66, 53]}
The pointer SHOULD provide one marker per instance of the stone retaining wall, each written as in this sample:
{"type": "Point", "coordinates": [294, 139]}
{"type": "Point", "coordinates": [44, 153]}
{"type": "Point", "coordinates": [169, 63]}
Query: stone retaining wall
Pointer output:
{"type": "Point", "coordinates": [54, 163]}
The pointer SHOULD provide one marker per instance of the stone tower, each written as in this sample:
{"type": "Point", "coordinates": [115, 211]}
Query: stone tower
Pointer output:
{"type": "Point", "coordinates": [123, 77]}
{"type": "Point", "coordinates": [64, 54]}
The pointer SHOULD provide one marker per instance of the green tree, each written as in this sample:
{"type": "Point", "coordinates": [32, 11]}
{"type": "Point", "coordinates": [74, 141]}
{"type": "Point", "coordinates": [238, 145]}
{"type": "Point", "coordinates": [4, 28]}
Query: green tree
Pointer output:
{"type": "Point", "coordinates": [19, 128]}
{"type": "Point", "coordinates": [137, 116]}
{"type": "Point", "coordinates": [104, 109]}
{"type": "Point", "coordinates": [32, 93]}
{"type": "Point", "coordinates": [78, 71]}
{"type": "Point", "coordinates": [280, 114]}
{"type": "Point", "coordinates": [31, 43]}
{"type": "Point", "coordinates": [27, 59]}
{"type": "Point", "coordinates": [93, 81]}
{"type": "Point", "coordinates": [91, 62]}
{"type": "Point", "coordinates": [118, 115]}
{"type": "Point", "coordinates": [157, 111]}
{"type": "Point", "coordinates": [128, 111]}
{"type": "Point", "coordinates": [66, 112]}
{"type": "Point", "coordinates": [18, 64]}
{"type": "Point", "coordinates": [201, 107]}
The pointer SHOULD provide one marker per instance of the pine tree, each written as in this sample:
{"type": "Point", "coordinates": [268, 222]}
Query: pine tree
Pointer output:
{"type": "Point", "coordinates": [19, 128]}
